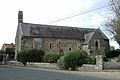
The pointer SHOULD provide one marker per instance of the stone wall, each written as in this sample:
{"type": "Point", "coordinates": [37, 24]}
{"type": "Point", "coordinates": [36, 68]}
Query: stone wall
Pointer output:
{"type": "Point", "coordinates": [33, 65]}
{"type": "Point", "coordinates": [18, 40]}
{"type": "Point", "coordinates": [102, 43]}
{"type": "Point", "coordinates": [51, 44]}
{"type": "Point", "coordinates": [85, 67]}
{"type": "Point", "coordinates": [89, 67]}
{"type": "Point", "coordinates": [57, 45]}
{"type": "Point", "coordinates": [111, 65]}
{"type": "Point", "coordinates": [27, 43]}
{"type": "Point", "coordinates": [15, 63]}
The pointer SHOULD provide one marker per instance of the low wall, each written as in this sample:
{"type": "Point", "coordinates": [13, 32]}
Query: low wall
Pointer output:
{"type": "Point", "coordinates": [85, 67]}
{"type": "Point", "coordinates": [33, 65]}
{"type": "Point", "coordinates": [88, 67]}
{"type": "Point", "coordinates": [42, 65]}
{"type": "Point", "coordinates": [15, 63]}
{"type": "Point", "coordinates": [111, 65]}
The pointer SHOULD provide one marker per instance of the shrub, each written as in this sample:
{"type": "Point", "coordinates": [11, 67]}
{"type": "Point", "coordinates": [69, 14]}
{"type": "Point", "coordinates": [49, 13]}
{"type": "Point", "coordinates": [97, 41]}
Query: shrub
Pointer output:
{"type": "Point", "coordinates": [113, 53]}
{"type": "Point", "coordinates": [32, 55]}
{"type": "Point", "coordinates": [51, 57]}
{"type": "Point", "coordinates": [11, 52]}
{"type": "Point", "coordinates": [1, 57]}
{"type": "Point", "coordinates": [22, 56]}
{"type": "Point", "coordinates": [35, 55]}
{"type": "Point", "coordinates": [90, 60]}
{"type": "Point", "coordinates": [73, 59]}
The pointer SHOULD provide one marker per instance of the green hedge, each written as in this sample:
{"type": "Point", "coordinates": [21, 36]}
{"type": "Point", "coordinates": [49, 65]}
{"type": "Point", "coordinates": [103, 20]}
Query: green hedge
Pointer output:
{"type": "Point", "coordinates": [113, 53]}
{"type": "Point", "coordinates": [72, 59]}
{"type": "Point", "coordinates": [32, 55]}
{"type": "Point", "coordinates": [51, 57]}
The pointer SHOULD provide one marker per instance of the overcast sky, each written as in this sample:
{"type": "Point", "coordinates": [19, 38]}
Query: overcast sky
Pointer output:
{"type": "Point", "coordinates": [48, 11]}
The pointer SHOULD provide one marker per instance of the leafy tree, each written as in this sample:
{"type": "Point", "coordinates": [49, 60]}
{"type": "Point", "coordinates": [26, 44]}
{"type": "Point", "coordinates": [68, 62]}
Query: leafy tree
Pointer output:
{"type": "Point", "coordinates": [113, 22]}
{"type": "Point", "coordinates": [11, 52]}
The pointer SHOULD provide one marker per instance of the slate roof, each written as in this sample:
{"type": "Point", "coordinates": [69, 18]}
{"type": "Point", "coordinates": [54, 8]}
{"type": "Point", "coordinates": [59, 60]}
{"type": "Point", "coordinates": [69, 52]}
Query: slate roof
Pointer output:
{"type": "Point", "coordinates": [88, 37]}
{"type": "Point", "coordinates": [50, 31]}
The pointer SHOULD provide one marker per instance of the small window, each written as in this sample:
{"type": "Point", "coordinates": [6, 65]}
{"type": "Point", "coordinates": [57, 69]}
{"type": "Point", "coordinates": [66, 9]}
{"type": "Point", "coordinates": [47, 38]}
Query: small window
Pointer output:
{"type": "Point", "coordinates": [50, 45]}
{"type": "Point", "coordinates": [69, 49]}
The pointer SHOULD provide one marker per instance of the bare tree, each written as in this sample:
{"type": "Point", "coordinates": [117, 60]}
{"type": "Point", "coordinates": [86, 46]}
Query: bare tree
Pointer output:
{"type": "Point", "coordinates": [113, 23]}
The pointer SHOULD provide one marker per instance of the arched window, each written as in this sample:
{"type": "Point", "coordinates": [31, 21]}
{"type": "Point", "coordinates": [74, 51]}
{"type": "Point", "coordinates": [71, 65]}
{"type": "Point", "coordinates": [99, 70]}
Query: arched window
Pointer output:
{"type": "Point", "coordinates": [96, 45]}
{"type": "Point", "coordinates": [50, 45]}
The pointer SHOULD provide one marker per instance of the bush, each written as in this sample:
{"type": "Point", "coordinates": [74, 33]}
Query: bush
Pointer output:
{"type": "Point", "coordinates": [72, 59]}
{"type": "Point", "coordinates": [11, 52]}
{"type": "Point", "coordinates": [1, 57]}
{"type": "Point", "coordinates": [32, 55]}
{"type": "Point", "coordinates": [22, 56]}
{"type": "Point", "coordinates": [90, 60]}
{"type": "Point", "coordinates": [51, 57]}
{"type": "Point", "coordinates": [113, 53]}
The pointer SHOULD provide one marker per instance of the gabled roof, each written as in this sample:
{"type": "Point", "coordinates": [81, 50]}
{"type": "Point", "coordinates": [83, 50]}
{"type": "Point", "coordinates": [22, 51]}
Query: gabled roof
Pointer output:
{"type": "Point", "coordinates": [7, 46]}
{"type": "Point", "coordinates": [50, 31]}
{"type": "Point", "coordinates": [103, 35]}
{"type": "Point", "coordinates": [91, 34]}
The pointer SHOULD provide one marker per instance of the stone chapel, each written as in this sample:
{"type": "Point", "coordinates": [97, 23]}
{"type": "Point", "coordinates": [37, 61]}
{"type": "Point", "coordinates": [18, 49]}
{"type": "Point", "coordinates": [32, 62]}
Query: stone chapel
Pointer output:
{"type": "Point", "coordinates": [59, 39]}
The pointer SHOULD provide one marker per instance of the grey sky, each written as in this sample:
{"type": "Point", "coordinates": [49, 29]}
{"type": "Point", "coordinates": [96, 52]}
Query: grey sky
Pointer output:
{"type": "Point", "coordinates": [47, 11]}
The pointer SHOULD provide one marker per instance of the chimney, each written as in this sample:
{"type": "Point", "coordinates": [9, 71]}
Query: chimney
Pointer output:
{"type": "Point", "coordinates": [20, 17]}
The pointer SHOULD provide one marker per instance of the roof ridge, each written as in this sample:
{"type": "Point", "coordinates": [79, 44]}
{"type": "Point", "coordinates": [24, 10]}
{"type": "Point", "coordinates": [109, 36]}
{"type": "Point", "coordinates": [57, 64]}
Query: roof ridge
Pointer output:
{"type": "Point", "coordinates": [57, 26]}
{"type": "Point", "coordinates": [52, 31]}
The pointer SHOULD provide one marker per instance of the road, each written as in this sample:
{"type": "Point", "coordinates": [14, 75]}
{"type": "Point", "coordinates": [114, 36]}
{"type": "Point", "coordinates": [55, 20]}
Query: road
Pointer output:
{"type": "Point", "coordinates": [11, 73]}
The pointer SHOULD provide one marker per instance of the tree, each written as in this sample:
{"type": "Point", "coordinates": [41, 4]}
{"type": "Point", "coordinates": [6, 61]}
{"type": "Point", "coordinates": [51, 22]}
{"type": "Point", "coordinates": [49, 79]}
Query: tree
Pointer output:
{"type": "Point", "coordinates": [11, 52]}
{"type": "Point", "coordinates": [113, 23]}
